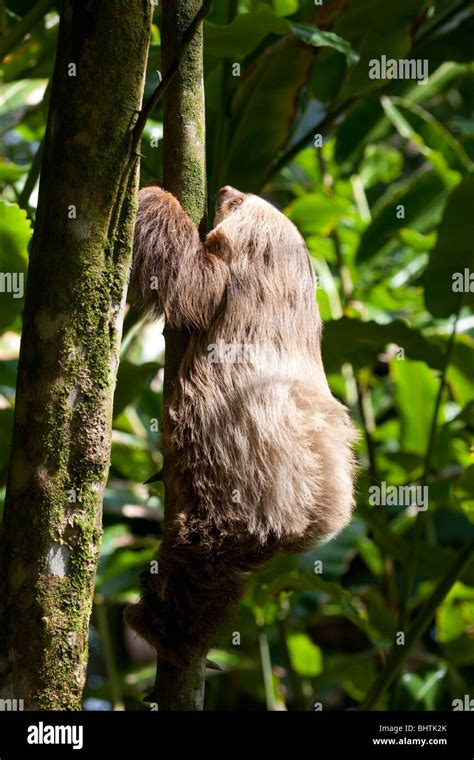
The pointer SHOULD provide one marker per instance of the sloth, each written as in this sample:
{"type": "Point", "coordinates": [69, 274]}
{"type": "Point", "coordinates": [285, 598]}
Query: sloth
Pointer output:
{"type": "Point", "coordinates": [259, 454]}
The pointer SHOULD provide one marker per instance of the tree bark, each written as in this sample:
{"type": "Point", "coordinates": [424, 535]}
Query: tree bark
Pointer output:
{"type": "Point", "coordinates": [74, 304]}
{"type": "Point", "coordinates": [184, 174]}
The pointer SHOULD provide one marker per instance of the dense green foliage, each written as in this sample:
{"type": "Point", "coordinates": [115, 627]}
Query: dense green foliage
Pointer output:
{"type": "Point", "coordinates": [386, 209]}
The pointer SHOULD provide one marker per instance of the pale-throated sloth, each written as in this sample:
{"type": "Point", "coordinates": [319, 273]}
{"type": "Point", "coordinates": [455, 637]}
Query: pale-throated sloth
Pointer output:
{"type": "Point", "coordinates": [259, 452]}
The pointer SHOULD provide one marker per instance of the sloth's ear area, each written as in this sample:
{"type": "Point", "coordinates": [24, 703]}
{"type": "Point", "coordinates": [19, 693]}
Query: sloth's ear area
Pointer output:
{"type": "Point", "coordinates": [219, 244]}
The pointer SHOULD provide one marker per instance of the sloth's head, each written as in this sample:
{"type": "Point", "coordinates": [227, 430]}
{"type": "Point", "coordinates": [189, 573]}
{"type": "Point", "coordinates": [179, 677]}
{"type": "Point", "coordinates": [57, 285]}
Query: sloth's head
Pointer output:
{"type": "Point", "coordinates": [246, 224]}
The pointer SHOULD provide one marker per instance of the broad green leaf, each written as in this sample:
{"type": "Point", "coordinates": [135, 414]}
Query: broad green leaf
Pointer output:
{"type": "Point", "coordinates": [418, 202]}
{"type": "Point", "coordinates": [366, 122]}
{"type": "Point", "coordinates": [360, 343]}
{"type": "Point", "coordinates": [246, 31]}
{"type": "Point", "coordinates": [18, 95]}
{"type": "Point", "coordinates": [244, 34]}
{"type": "Point", "coordinates": [381, 617]}
{"type": "Point", "coordinates": [8, 370]}
{"type": "Point", "coordinates": [316, 37]}
{"type": "Point", "coordinates": [316, 213]}
{"type": "Point", "coordinates": [356, 129]}
{"type": "Point", "coordinates": [416, 388]}
{"type": "Point", "coordinates": [372, 556]}
{"type": "Point", "coordinates": [381, 163]}
{"type": "Point", "coordinates": [131, 461]}
{"type": "Point", "coordinates": [306, 658]}
{"type": "Point", "coordinates": [263, 112]}
{"type": "Point", "coordinates": [374, 29]}
{"type": "Point", "coordinates": [449, 280]}
{"type": "Point", "coordinates": [15, 234]}
{"type": "Point", "coordinates": [454, 45]}
{"type": "Point", "coordinates": [10, 172]}
{"type": "Point", "coordinates": [285, 7]}
{"type": "Point", "coordinates": [416, 124]}
{"type": "Point", "coordinates": [464, 492]}
{"type": "Point", "coordinates": [356, 671]}
{"type": "Point", "coordinates": [120, 572]}
{"type": "Point", "coordinates": [455, 616]}
{"type": "Point", "coordinates": [467, 414]}
{"type": "Point", "coordinates": [131, 379]}
{"type": "Point", "coordinates": [423, 691]}
{"type": "Point", "coordinates": [334, 558]}
{"type": "Point", "coordinates": [416, 240]}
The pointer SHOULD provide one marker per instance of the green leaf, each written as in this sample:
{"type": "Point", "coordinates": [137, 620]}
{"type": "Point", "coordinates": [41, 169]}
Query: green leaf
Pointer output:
{"type": "Point", "coordinates": [120, 571]}
{"type": "Point", "coordinates": [131, 459]}
{"type": "Point", "coordinates": [263, 111]}
{"type": "Point", "coordinates": [422, 197]}
{"type": "Point", "coordinates": [464, 492]}
{"type": "Point", "coordinates": [315, 213]}
{"type": "Point", "coordinates": [447, 282]}
{"type": "Point", "coordinates": [131, 379]}
{"type": "Point", "coordinates": [316, 37]}
{"type": "Point", "coordinates": [360, 343]}
{"type": "Point", "coordinates": [17, 96]}
{"type": "Point", "coordinates": [416, 388]}
{"type": "Point", "coordinates": [336, 555]}
{"type": "Point", "coordinates": [285, 7]}
{"type": "Point", "coordinates": [244, 34]}
{"type": "Point", "coordinates": [15, 234]}
{"type": "Point", "coordinates": [455, 616]}
{"type": "Point", "coordinates": [366, 122]}
{"type": "Point", "coordinates": [373, 29]}
{"type": "Point", "coordinates": [424, 690]}
{"type": "Point", "coordinates": [467, 414]}
{"type": "Point", "coordinates": [10, 172]}
{"type": "Point", "coordinates": [306, 658]}
{"type": "Point", "coordinates": [381, 163]}
{"type": "Point", "coordinates": [416, 241]}
{"type": "Point", "coordinates": [415, 123]}
{"type": "Point", "coordinates": [454, 45]}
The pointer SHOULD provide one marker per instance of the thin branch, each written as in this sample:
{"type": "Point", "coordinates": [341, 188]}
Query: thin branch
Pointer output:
{"type": "Point", "coordinates": [16, 34]}
{"type": "Point", "coordinates": [150, 106]}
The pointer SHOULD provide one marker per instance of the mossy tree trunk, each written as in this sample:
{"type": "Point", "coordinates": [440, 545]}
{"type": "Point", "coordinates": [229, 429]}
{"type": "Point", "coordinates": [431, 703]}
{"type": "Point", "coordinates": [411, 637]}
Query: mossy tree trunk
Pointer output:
{"type": "Point", "coordinates": [184, 173]}
{"type": "Point", "coordinates": [79, 265]}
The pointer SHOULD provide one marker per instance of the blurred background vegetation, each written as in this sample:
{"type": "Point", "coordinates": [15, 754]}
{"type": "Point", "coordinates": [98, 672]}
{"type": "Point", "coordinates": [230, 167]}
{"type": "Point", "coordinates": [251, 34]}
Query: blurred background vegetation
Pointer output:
{"type": "Point", "coordinates": [312, 631]}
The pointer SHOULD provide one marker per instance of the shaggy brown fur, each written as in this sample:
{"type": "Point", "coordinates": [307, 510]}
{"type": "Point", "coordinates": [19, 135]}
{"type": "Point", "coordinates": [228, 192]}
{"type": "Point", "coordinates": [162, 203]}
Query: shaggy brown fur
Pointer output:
{"type": "Point", "coordinates": [258, 450]}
